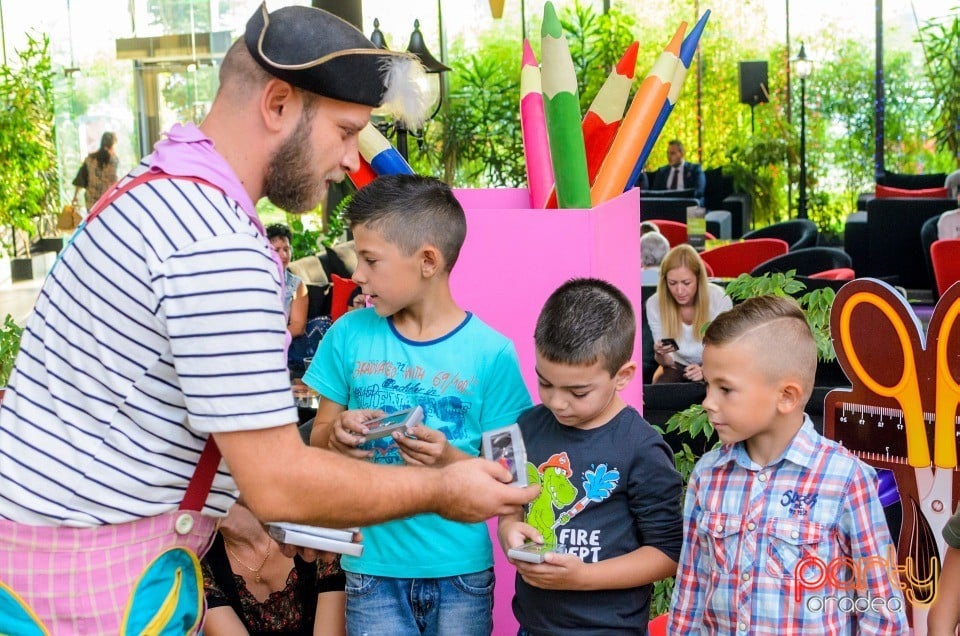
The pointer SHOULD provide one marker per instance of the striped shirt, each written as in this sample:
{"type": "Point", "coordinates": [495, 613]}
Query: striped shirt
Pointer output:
{"type": "Point", "coordinates": [161, 323]}
{"type": "Point", "coordinates": [753, 536]}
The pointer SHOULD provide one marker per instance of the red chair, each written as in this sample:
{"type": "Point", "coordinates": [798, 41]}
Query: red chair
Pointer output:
{"type": "Point", "coordinates": [945, 256]}
{"type": "Point", "coordinates": [729, 261]}
{"type": "Point", "coordinates": [839, 273]}
{"type": "Point", "coordinates": [675, 231]}
{"type": "Point", "coordinates": [657, 626]}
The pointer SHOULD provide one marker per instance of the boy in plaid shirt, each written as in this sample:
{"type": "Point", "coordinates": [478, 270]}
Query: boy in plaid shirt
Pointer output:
{"type": "Point", "coordinates": [783, 530]}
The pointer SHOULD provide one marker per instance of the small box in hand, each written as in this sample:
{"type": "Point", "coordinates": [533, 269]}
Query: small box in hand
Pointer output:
{"type": "Point", "coordinates": [505, 446]}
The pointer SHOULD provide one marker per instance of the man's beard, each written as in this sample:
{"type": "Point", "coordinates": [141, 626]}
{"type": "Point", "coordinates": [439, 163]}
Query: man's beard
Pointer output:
{"type": "Point", "coordinates": [290, 182]}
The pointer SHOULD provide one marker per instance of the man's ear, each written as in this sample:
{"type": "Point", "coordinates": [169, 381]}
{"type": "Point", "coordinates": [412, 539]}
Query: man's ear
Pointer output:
{"type": "Point", "coordinates": [625, 374]}
{"type": "Point", "coordinates": [278, 105]}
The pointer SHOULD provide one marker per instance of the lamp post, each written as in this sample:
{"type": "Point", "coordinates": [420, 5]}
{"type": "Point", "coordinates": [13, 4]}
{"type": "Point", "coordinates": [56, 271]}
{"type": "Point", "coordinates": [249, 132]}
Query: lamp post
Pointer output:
{"type": "Point", "coordinates": [802, 66]}
{"type": "Point", "coordinates": [433, 88]}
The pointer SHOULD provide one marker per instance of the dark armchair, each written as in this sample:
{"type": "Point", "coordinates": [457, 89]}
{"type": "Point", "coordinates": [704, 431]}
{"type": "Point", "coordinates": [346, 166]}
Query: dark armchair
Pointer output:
{"type": "Point", "coordinates": [884, 241]}
{"type": "Point", "coordinates": [719, 194]}
{"type": "Point", "coordinates": [798, 233]}
{"type": "Point", "coordinates": [806, 261]}
{"type": "Point", "coordinates": [928, 235]}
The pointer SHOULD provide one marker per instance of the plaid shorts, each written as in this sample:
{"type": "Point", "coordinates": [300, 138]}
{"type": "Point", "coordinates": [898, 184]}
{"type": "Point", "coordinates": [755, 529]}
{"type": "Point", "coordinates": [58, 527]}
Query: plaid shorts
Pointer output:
{"type": "Point", "coordinates": [79, 580]}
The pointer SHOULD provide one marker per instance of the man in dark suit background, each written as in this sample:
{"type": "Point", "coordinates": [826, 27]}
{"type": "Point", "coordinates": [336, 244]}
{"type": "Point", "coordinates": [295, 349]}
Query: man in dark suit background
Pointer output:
{"type": "Point", "coordinates": [679, 174]}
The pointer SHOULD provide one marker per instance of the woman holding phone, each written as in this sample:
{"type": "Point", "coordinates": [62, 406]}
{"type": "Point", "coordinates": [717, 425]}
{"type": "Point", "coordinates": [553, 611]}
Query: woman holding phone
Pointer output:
{"type": "Point", "coordinates": [678, 313]}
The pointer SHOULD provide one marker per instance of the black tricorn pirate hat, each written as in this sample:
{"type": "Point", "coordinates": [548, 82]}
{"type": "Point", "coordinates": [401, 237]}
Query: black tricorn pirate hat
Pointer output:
{"type": "Point", "coordinates": [319, 52]}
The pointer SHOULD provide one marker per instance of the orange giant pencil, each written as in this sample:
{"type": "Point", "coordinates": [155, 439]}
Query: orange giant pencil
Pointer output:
{"type": "Point", "coordinates": [637, 123]}
{"type": "Point", "coordinates": [536, 147]}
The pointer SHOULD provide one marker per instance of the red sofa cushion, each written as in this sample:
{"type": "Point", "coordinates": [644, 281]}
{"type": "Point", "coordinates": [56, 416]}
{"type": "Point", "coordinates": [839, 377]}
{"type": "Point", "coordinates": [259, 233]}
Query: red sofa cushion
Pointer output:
{"type": "Point", "coordinates": [883, 192]}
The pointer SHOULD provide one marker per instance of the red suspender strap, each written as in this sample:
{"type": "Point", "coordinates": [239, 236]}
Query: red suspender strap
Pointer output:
{"type": "Point", "coordinates": [112, 195]}
{"type": "Point", "coordinates": [202, 479]}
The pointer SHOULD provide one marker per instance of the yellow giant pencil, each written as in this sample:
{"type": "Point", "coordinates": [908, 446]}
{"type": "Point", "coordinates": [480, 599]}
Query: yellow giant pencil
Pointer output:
{"type": "Point", "coordinates": [561, 106]}
{"type": "Point", "coordinates": [637, 123]}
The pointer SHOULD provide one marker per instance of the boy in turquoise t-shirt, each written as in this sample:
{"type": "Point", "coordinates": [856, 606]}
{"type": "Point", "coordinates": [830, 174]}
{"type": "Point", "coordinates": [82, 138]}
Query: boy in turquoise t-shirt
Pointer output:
{"type": "Point", "coordinates": [415, 346]}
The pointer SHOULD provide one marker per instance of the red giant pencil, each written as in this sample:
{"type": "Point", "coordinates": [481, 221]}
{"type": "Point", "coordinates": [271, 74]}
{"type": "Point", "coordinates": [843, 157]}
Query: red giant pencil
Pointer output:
{"type": "Point", "coordinates": [605, 114]}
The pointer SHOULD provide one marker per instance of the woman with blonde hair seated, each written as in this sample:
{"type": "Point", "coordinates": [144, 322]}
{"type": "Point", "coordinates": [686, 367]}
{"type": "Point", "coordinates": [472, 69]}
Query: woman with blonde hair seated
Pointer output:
{"type": "Point", "coordinates": [685, 302]}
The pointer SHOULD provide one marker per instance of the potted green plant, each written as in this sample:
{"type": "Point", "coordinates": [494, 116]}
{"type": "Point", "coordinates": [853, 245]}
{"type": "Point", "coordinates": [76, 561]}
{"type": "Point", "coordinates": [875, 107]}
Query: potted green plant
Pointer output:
{"type": "Point", "coordinates": [10, 334]}
{"type": "Point", "coordinates": [28, 190]}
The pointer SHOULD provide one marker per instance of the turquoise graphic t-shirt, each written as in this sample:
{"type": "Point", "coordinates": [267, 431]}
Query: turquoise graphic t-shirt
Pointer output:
{"type": "Point", "coordinates": [466, 382]}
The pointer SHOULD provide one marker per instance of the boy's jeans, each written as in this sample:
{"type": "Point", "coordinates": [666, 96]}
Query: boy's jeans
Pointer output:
{"type": "Point", "coordinates": [454, 606]}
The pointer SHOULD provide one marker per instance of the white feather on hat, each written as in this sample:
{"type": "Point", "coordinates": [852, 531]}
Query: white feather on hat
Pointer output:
{"type": "Point", "coordinates": [406, 97]}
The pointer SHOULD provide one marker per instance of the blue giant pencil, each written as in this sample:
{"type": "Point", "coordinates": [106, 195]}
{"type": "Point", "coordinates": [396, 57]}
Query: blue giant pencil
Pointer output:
{"type": "Point", "coordinates": [687, 50]}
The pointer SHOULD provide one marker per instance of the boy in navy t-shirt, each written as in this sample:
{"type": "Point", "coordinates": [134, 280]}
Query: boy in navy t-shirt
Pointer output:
{"type": "Point", "coordinates": [609, 491]}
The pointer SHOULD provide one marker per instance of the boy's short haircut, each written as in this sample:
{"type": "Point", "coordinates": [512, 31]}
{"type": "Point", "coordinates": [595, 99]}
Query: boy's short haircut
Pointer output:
{"type": "Point", "coordinates": [584, 321]}
{"type": "Point", "coordinates": [411, 211]}
{"type": "Point", "coordinates": [782, 335]}
{"type": "Point", "coordinates": [278, 230]}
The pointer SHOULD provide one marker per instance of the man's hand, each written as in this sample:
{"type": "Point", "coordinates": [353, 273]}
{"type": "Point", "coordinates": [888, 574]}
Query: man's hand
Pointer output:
{"type": "Point", "coordinates": [476, 489]}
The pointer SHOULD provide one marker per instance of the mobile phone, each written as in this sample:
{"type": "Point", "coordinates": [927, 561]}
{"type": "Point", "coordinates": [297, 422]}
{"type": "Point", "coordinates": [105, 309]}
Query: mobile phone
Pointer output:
{"type": "Point", "coordinates": [532, 552]}
{"type": "Point", "coordinates": [670, 342]}
{"type": "Point", "coordinates": [505, 446]}
{"type": "Point", "coordinates": [315, 541]}
{"type": "Point", "coordinates": [346, 534]}
{"type": "Point", "coordinates": [397, 421]}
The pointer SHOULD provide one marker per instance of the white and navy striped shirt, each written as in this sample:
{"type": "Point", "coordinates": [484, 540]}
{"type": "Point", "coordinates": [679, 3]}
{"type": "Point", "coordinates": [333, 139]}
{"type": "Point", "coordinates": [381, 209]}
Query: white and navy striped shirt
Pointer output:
{"type": "Point", "coordinates": [161, 323]}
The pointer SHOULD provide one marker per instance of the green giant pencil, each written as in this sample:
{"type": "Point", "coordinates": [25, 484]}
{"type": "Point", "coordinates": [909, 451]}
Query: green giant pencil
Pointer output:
{"type": "Point", "coordinates": [561, 106]}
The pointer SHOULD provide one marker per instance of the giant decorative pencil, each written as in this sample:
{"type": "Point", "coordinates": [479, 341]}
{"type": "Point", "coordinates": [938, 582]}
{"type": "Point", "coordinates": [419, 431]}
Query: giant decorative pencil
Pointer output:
{"type": "Point", "coordinates": [380, 154]}
{"type": "Point", "coordinates": [687, 50]}
{"type": "Point", "coordinates": [605, 114]}
{"type": "Point", "coordinates": [637, 123]}
{"type": "Point", "coordinates": [603, 118]}
{"type": "Point", "coordinates": [536, 146]}
{"type": "Point", "coordinates": [363, 175]}
{"type": "Point", "coordinates": [561, 105]}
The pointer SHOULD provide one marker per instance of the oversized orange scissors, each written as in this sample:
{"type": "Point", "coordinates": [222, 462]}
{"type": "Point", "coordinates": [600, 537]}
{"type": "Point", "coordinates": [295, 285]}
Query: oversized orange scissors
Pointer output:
{"type": "Point", "coordinates": [934, 479]}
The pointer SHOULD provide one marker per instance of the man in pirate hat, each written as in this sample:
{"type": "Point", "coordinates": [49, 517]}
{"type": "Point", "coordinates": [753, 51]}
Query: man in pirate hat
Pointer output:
{"type": "Point", "coordinates": [162, 328]}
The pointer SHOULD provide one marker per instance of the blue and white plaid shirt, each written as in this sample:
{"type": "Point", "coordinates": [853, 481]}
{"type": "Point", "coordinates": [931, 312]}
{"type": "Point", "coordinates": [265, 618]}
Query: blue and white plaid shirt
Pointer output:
{"type": "Point", "coordinates": [769, 549]}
